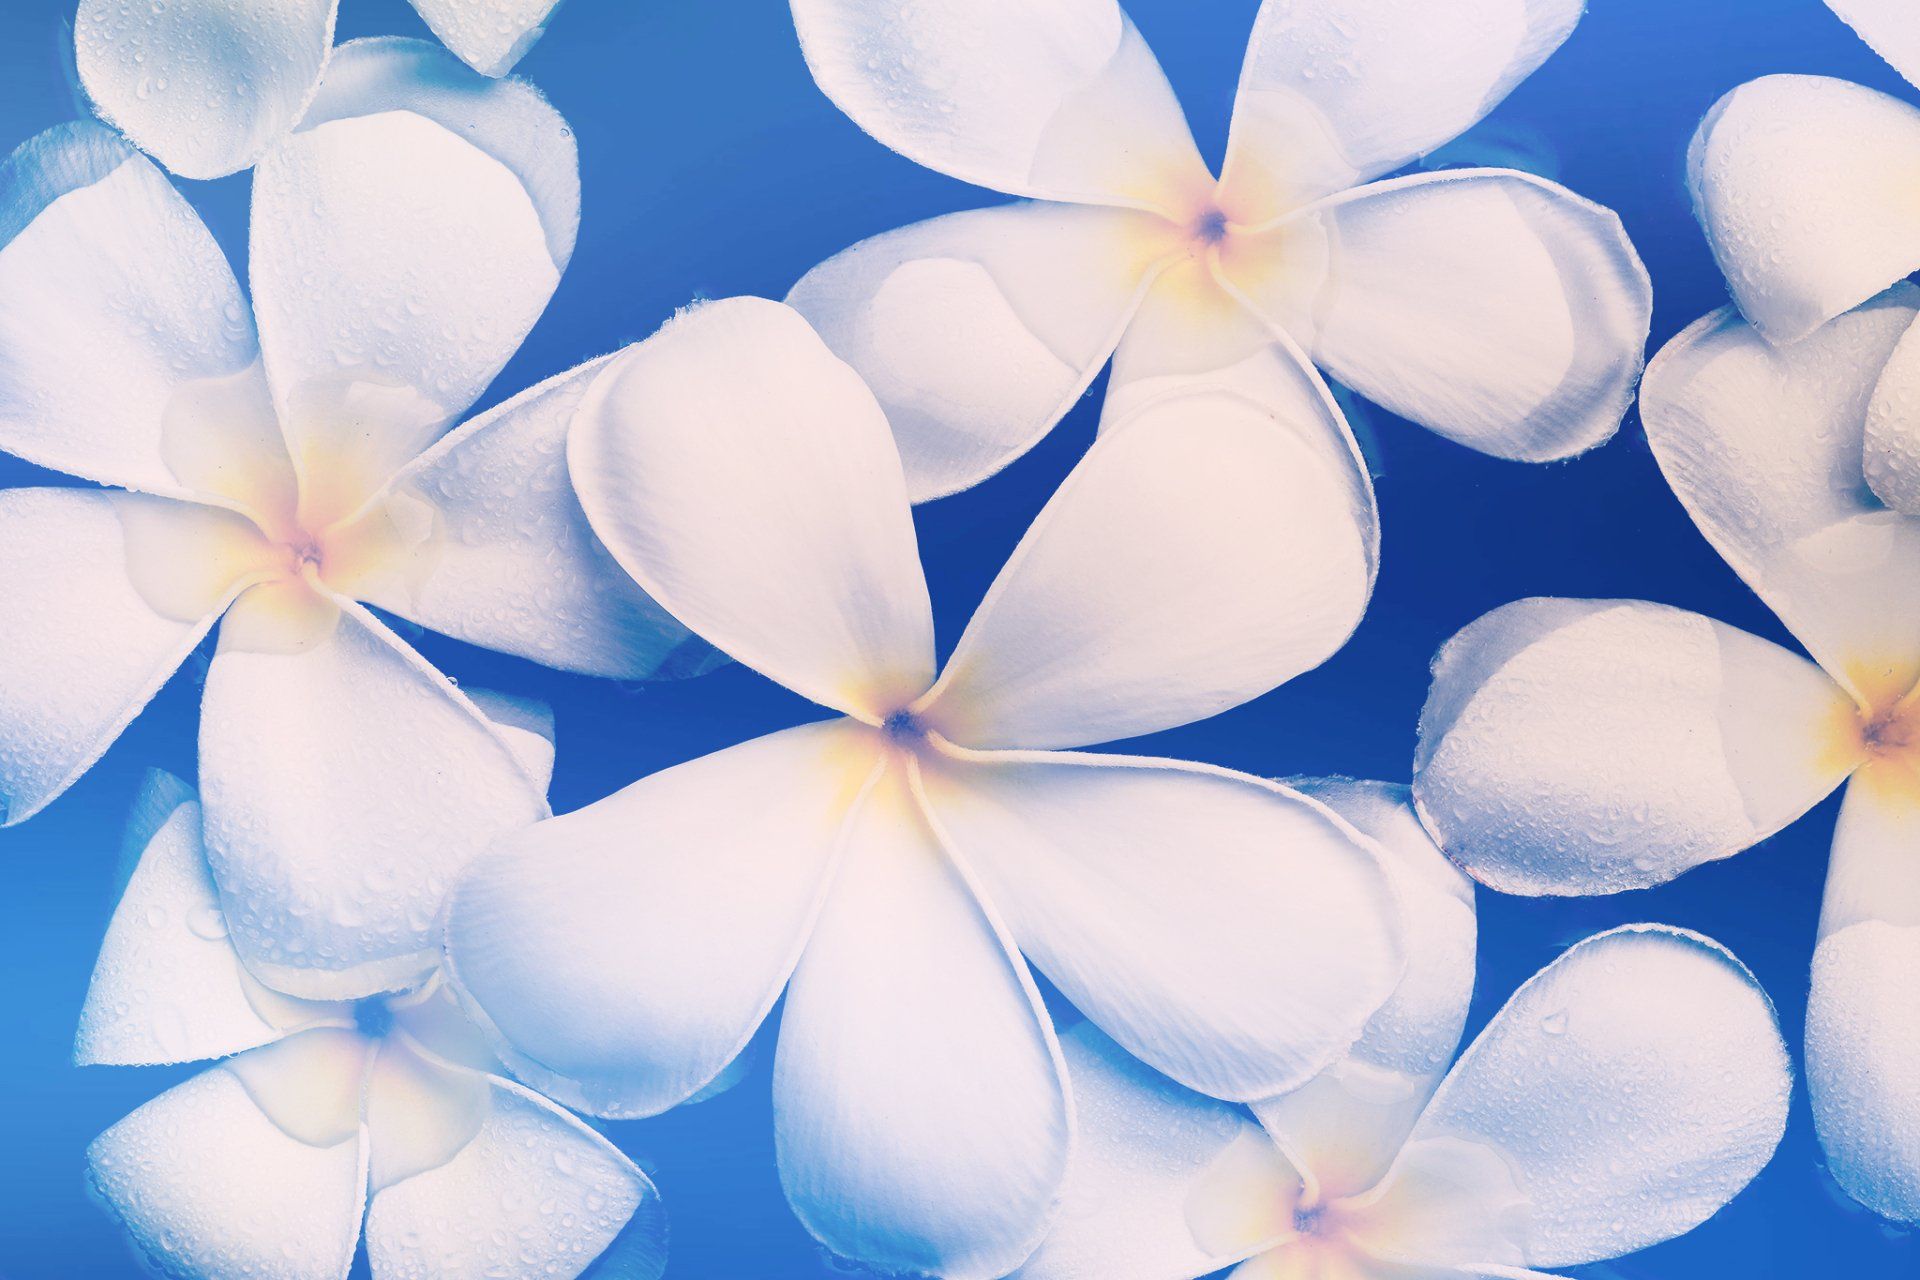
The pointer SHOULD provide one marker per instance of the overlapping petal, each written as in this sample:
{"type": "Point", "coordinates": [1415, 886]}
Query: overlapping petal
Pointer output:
{"type": "Point", "coordinates": [1891, 443]}
{"type": "Point", "coordinates": [1764, 446]}
{"type": "Point", "coordinates": [1578, 746]}
{"type": "Point", "coordinates": [1163, 1183]}
{"type": "Point", "coordinates": [1497, 308]}
{"type": "Point", "coordinates": [1196, 558]}
{"type": "Point", "coordinates": [977, 331]}
{"type": "Point", "coordinates": [1332, 93]}
{"type": "Point", "coordinates": [346, 786]}
{"type": "Point", "coordinates": [207, 1183]}
{"type": "Point", "coordinates": [1063, 101]}
{"type": "Point", "coordinates": [921, 1116]}
{"type": "Point", "coordinates": [745, 477]}
{"type": "Point", "coordinates": [1344, 1126]}
{"type": "Point", "coordinates": [117, 310]}
{"type": "Point", "coordinates": [489, 35]}
{"type": "Point", "coordinates": [514, 565]}
{"type": "Point", "coordinates": [1806, 188]}
{"type": "Point", "coordinates": [624, 954]}
{"type": "Point", "coordinates": [205, 86]}
{"type": "Point", "coordinates": [1891, 27]}
{"type": "Point", "coordinates": [1172, 904]}
{"type": "Point", "coordinates": [106, 595]}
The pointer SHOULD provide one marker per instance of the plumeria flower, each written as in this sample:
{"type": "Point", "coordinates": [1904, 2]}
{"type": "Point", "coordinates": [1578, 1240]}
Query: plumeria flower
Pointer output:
{"type": "Point", "coordinates": [1624, 1094]}
{"type": "Point", "coordinates": [1581, 746]}
{"type": "Point", "coordinates": [1800, 183]}
{"type": "Point", "coordinates": [208, 86]}
{"type": "Point", "coordinates": [893, 869]}
{"type": "Point", "coordinates": [389, 1111]}
{"type": "Point", "coordinates": [1489, 305]}
{"type": "Point", "coordinates": [403, 241]}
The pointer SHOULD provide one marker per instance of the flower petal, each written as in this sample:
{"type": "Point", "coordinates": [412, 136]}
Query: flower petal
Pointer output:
{"type": "Point", "coordinates": [396, 266]}
{"type": "Point", "coordinates": [510, 120]}
{"type": "Point", "coordinates": [105, 598]}
{"type": "Point", "coordinates": [516, 566]}
{"type": "Point", "coordinates": [208, 1185]}
{"type": "Point", "coordinates": [979, 330]}
{"type": "Point", "coordinates": [347, 785]}
{"type": "Point", "coordinates": [1629, 1090]}
{"type": "Point", "coordinates": [1063, 101]}
{"type": "Point", "coordinates": [1806, 187]}
{"type": "Point", "coordinates": [1163, 1183]}
{"type": "Point", "coordinates": [1891, 27]}
{"type": "Point", "coordinates": [205, 86]}
{"type": "Point", "coordinates": [490, 35]}
{"type": "Point", "coordinates": [1891, 442]}
{"type": "Point", "coordinates": [623, 955]}
{"type": "Point", "coordinates": [1172, 903]}
{"type": "Point", "coordinates": [1194, 559]}
{"type": "Point", "coordinates": [530, 1191]}
{"type": "Point", "coordinates": [1863, 1020]}
{"type": "Point", "coordinates": [1764, 446]}
{"type": "Point", "coordinates": [167, 986]}
{"type": "Point", "coordinates": [116, 309]}
{"type": "Point", "coordinates": [1344, 1127]}
{"type": "Point", "coordinates": [1333, 93]}
{"type": "Point", "coordinates": [1589, 746]}
{"type": "Point", "coordinates": [921, 1116]}
{"type": "Point", "coordinates": [1499, 309]}
{"type": "Point", "coordinates": [746, 479]}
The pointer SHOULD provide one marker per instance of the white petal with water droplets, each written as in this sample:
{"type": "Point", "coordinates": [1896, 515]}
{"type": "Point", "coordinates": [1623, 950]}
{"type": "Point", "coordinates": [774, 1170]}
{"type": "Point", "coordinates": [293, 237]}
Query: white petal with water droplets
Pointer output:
{"type": "Point", "coordinates": [115, 304]}
{"type": "Point", "coordinates": [1589, 746]}
{"type": "Point", "coordinates": [977, 331]}
{"type": "Point", "coordinates": [82, 645]}
{"type": "Point", "coordinates": [1624, 1094]}
{"type": "Point", "coordinates": [921, 1118]}
{"type": "Point", "coordinates": [1172, 903]}
{"type": "Point", "coordinates": [1194, 559]}
{"type": "Point", "coordinates": [623, 954]}
{"type": "Point", "coordinates": [205, 85]}
{"type": "Point", "coordinates": [1764, 446]}
{"type": "Point", "coordinates": [1345, 1125]}
{"type": "Point", "coordinates": [1163, 1183]}
{"type": "Point", "coordinates": [530, 1191]}
{"type": "Point", "coordinates": [514, 565]}
{"type": "Point", "coordinates": [1060, 100]}
{"type": "Point", "coordinates": [346, 787]}
{"type": "Point", "coordinates": [1809, 191]}
{"type": "Point", "coordinates": [1891, 27]}
{"type": "Point", "coordinates": [1333, 93]}
{"type": "Point", "coordinates": [746, 478]}
{"type": "Point", "coordinates": [208, 1185]}
{"type": "Point", "coordinates": [1891, 445]}
{"type": "Point", "coordinates": [489, 35]}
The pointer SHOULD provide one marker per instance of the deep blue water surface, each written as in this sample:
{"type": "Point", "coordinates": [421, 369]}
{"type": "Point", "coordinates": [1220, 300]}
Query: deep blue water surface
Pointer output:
{"type": "Point", "coordinates": [711, 167]}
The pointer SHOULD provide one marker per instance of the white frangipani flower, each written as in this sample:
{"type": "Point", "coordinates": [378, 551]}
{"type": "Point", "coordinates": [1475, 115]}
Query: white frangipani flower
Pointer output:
{"type": "Point", "coordinates": [389, 1111]}
{"type": "Point", "coordinates": [208, 86]}
{"type": "Point", "coordinates": [1579, 746]}
{"type": "Point", "coordinates": [1624, 1094]}
{"type": "Point", "coordinates": [1802, 183]}
{"type": "Point", "coordinates": [893, 869]}
{"type": "Point", "coordinates": [1492, 306]}
{"type": "Point", "coordinates": [403, 242]}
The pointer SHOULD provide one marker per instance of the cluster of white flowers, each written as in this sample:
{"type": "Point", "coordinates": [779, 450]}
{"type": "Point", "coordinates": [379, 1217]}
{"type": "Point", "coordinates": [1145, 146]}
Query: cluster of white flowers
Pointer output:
{"type": "Point", "coordinates": [408, 968]}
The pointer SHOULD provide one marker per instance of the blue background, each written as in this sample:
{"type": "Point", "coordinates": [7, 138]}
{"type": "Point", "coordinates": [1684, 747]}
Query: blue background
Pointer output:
{"type": "Point", "coordinates": [712, 166]}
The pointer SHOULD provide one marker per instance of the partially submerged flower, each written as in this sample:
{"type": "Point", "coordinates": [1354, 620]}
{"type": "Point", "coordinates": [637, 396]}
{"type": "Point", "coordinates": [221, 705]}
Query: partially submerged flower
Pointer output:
{"type": "Point", "coordinates": [389, 1112]}
{"type": "Point", "coordinates": [894, 869]}
{"type": "Point", "coordinates": [1804, 183]}
{"type": "Point", "coordinates": [1623, 1095]}
{"type": "Point", "coordinates": [403, 242]}
{"type": "Point", "coordinates": [207, 87]}
{"type": "Point", "coordinates": [1582, 746]}
{"type": "Point", "coordinates": [1493, 306]}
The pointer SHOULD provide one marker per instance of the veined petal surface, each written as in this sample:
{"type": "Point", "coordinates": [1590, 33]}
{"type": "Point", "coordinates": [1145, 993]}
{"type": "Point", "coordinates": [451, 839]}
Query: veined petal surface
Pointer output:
{"type": "Point", "coordinates": [1589, 746]}
{"type": "Point", "coordinates": [746, 478]}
